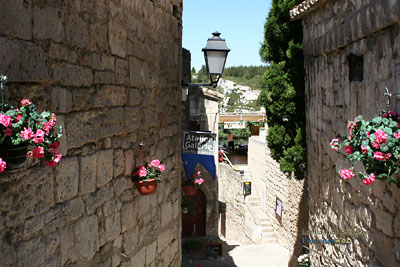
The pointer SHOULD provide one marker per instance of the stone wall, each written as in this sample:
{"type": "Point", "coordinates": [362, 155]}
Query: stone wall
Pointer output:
{"type": "Point", "coordinates": [231, 192]}
{"type": "Point", "coordinates": [331, 33]}
{"type": "Point", "coordinates": [110, 70]}
{"type": "Point", "coordinates": [270, 184]}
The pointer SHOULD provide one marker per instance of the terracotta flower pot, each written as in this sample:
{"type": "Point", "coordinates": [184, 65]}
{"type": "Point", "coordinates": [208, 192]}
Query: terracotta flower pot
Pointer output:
{"type": "Point", "coordinates": [14, 156]}
{"type": "Point", "coordinates": [146, 188]}
{"type": "Point", "coordinates": [189, 190]}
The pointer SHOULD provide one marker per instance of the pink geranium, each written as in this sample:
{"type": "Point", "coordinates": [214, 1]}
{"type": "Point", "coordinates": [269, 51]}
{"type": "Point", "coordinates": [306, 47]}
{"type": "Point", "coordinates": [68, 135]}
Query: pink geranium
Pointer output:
{"type": "Point", "coordinates": [369, 180]}
{"type": "Point", "coordinates": [54, 161]}
{"type": "Point", "coordinates": [348, 149]}
{"type": "Point", "coordinates": [37, 152]}
{"type": "Point", "coordinates": [335, 144]}
{"type": "Point", "coordinates": [376, 145]}
{"type": "Point", "coordinates": [397, 135]}
{"type": "Point", "coordinates": [161, 167]}
{"type": "Point", "coordinates": [27, 133]}
{"type": "Point", "coordinates": [38, 138]}
{"type": "Point", "coordinates": [3, 165]}
{"type": "Point", "coordinates": [380, 136]}
{"type": "Point", "coordinates": [155, 163]}
{"type": "Point", "coordinates": [8, 132]}
{"type": "Point", "coordinates": [379, 156]}
{"type": "Point", "coordinates": [5, 120]}
{"type": "Point", "coordinates": [199, 181]}
{"type": "Point", "coordinates": [346, 174]}
{"type": "Point", "coordinates": [25, 102]}
{"type": "Point", "coordinates": [364, 149]}
{"type": "Point", "coordinates": [141, 172]}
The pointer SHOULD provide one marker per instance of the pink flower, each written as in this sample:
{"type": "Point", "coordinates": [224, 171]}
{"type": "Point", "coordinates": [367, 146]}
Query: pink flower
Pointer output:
{"type": "Point", "coordinates": [380, 136]}
{"type": "Point", "coordinates": [195, 176]}
{"type": "Point", "coordinates": [54, 161]}
{"type": "Point", "coordinates": [384, 115]}
{"type": "Point", "coordinates": [3, 165]}
{"type": "Point", "coordinates": [55, 144]}
{"type": "Point", "coordinates": [25, 102]}
{"type": "Point", "coordinates": [199, 172]}
{"type": "Point", "coordinates": [388, 155]}
{"type": "Point", "coordinates": [376, 145]}
{"type": "Point", "coordinates": [26, 134]}
{"type": "Point", "coordinates": [335, 144]}
{"type": "Point", "coordinates": [141, 172]}
{"type": "Point", "coordinates": [18, 117]}
{"type": "Point", "coordinates": [349, 149]}
{"type": "Point", "coordinates": [37, 152]}
{"type": "Point", "coordinates": [351, 125]}
{"type": "Point", "coordinates": [8, 132]}
{"type": "Point", "coordinates": [199, 181]}
{"type": "Point", "coordinates": [358, 118]}
{"type": "Point", "coordinates": [379, 156]}
{"type": "Point", "coordinates": [39, 136]}
{"type": "Point", "coordinates": [346, 174]}
{"type": "Point", "coordinates": [155, 163]}
{"type": "Point", "coordinates": [5, 120]}
{"type": "Point", "coordinates": [369, 180]}
{"type": "Point", "coordinates": [47, 127]}
{"type": "Point", "coordinates": [393, 113]}
{"type": "Point", "coordinates": [53, 120]}
{"type": "Point", "coordinates": [397, 135]}
{"type": "Point", "coordinates": [161, 167]}
{"type": "Point", "coordinates": [367, 133]}
{"type": "Point", "coordinates": [364, 149]}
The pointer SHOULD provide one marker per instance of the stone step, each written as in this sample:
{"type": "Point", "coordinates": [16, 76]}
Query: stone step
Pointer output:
{"type": "Point", "coordinates": [267, 229]}
{"type": "Point", "coordinates": [268, 240]}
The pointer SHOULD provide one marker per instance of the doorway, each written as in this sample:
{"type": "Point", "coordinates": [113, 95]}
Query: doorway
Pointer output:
{"type": "Point", "coordinates": [195, 226]}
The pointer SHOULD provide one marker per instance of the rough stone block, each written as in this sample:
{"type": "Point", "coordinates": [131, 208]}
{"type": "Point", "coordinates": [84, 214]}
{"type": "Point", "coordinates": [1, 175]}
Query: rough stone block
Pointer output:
{"type": "Point", "coordinates": [33, 224]}
{"type": "Point", "coordinates": [72, 75]}
{"type": "Point", "coordinates": [67, 179]}
{"type": "Point", "coordinates": [139, 73]}
{"type": "Point", "coordinates": [103, 62]}
{"type": "Point", "coordinates": [134, 97]}
{"type": "Point", "coordinates": [111, 206]}
{"type": "Point", "coordinates": [122, 71]}
{"type": "Point", "coordinates": [113, 122]}
{"type": "Point", "coordinates": [119, 163]}
{"type": "Point", "coordinates": [104, 167]}
{"type": "Point", "coordinates": [129, 215]}
{"type": "Point", "coordinates": [98, 198]}
{"type": "Point", "coordinates": [130, 241]}
{"type": "Point", "coordinates": [166, 213]}
{"type": "Point", "coordinates": [76, 30]}
{"type": "Point", "coordinates": [132, 119]}
{"type": "Point", "coordinates": [139, 259]}
{"type": "Point", "coordinates": [31, 252]}
{"type": "Point", "coordinates": [117, 39]}
{"type": "Point", "coordinates": [88, 168]}
{"type": "Point", "coordinates": [98, 38]}
{"type": "Point", "coordinates": [74, 209]}
{"type": "Point", "coordinates": [61, 100]}
{"type": "Point", "coordinates": [112, 229]}
{"type": "Point", "coordinates": [20, 25]}
{"type": "Point", "coordinates": [86, 236]}
{"type": "Point", "coordinates": [67, 242]}
{"type": "Point", "coordinates": [163, 240]}
{"type": "Point", "coordinates": [48, 23]}
{"type": "Point", "coordinates": [104, 77]}
{"type": "Point", "coordinates": [59, 51]}
{"type": "Point", "coordinates": [384, 221]}
{"type": "Point", "coordinates": [129, 162]}
{"type": "Point", "coordinates": [151, 252]}
{"type": "Point", "coordinates": [23, 61]}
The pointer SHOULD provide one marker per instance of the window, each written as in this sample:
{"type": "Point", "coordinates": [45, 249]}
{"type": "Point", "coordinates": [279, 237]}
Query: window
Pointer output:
{"type": "Point", "coordinates": [356, 68]}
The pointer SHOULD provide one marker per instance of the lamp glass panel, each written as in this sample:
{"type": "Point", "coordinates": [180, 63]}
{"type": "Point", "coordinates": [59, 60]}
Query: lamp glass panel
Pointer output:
{"type": "Point", "coordinates": [216, 61]}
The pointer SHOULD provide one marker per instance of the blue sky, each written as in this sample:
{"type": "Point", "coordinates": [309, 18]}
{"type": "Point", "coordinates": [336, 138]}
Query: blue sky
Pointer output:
{"type": "Point", "coordinates": [241, 24]}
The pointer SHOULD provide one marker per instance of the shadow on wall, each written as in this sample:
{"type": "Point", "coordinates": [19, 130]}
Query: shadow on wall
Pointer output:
{"type": "Point", "coordinates": [302, 224]}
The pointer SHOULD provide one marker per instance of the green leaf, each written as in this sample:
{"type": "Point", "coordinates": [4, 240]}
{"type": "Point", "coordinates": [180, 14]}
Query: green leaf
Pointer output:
{"type": "Point", "coordinates": [384, 148]}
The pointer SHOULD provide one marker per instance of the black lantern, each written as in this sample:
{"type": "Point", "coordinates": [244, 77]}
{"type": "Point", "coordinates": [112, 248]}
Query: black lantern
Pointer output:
{"type": "Point", "coordinates": [215, 54]}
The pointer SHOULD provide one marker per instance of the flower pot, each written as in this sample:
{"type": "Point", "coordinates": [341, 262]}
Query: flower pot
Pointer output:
{"type": "Point", "coordinates": [14, 156]}
{"type": "Point", "coordinates": [189, 190]}
{"type": "Point", "coordinates": [146, 188]}
{"type": "Point", "coordinates": [303, 265]}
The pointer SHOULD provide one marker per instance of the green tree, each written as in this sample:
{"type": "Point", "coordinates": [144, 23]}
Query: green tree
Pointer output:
{"type": "Point", "coordinates": [283, 88]}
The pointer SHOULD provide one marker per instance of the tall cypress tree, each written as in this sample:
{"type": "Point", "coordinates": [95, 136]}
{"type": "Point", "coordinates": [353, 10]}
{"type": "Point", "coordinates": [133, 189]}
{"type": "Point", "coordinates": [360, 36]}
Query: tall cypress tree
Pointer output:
{"type": "Point", "coordinates": [283, 88]}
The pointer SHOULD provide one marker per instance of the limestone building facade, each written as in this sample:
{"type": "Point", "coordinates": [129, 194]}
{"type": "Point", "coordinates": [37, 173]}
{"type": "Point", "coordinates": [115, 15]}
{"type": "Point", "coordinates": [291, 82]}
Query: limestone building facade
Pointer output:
{"type": "Point", "coordinates": [110, 70]}
{"type": "Point", "coordinates": [337, 34]}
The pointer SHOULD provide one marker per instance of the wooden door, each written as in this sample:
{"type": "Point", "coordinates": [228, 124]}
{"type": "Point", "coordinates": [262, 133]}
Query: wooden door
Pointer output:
{"type": "Point", "coordinates": [195, 225]}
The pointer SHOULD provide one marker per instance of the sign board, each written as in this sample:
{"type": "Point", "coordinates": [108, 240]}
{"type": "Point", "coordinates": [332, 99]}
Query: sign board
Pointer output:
{"type": "Point", "coordinates": [198, 117]}
{"type": "Point", "coordinates": [234, 125]}
{"type": "Point", "coordinates": [278, 209]}
{"type": "Point", "coordinates": [247, 188]}
{"type": "Point", "coordinates": [202, 143]}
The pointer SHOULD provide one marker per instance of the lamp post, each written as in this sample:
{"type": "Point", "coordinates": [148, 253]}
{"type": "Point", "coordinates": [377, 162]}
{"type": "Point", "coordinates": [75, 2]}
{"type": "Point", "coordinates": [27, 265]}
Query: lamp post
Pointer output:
{"type": "Point", "coordinates": [215, 54]}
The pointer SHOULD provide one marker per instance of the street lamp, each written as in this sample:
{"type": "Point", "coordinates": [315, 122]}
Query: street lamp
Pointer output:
{"type": "Point", "coordinates": [215, 54]}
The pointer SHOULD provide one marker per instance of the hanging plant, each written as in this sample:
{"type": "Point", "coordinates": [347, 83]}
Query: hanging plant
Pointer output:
{"type": "Point", "coordinates": [24, 131]}
{"type": "Point", "coordinates": [189, 185]}
{"type": "Point", "coordinates": [147, 176]}
{"type": "Point", "coordinates": [374, 143]}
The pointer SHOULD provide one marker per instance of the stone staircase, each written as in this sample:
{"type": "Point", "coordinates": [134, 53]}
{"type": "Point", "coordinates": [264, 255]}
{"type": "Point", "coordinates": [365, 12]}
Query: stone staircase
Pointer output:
{"type": "Point", "coordinates": [263, 233]}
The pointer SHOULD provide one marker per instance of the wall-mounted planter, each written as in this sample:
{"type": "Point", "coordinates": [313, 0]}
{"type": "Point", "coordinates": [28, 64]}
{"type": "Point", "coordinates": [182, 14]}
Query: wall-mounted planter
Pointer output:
{"type": "Point", "coordinates": [146, 188]}
{"type": "Point", "coordinates": [189, 190]}
{"type": "Point", "coordinates": [14, 155]}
